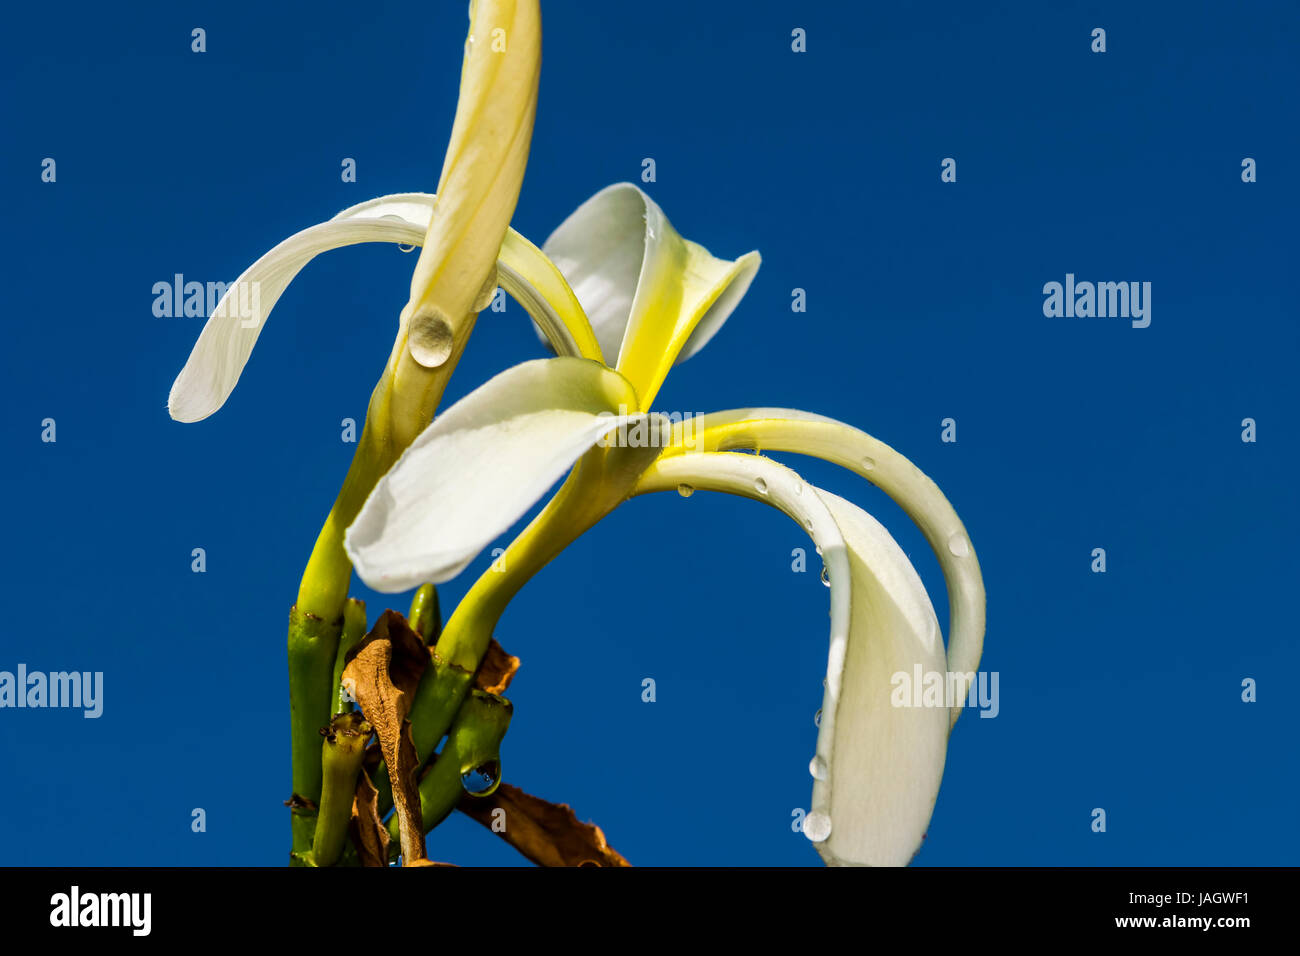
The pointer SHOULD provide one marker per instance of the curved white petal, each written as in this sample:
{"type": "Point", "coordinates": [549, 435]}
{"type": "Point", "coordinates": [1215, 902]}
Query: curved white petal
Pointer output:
{"type": "Point", "coordinates": [653, 297]}
{"type": "Point", "coordinates": [791, 430]}
{"type": "Point", "coordinates": [480, 466]}
{"type": "Point", "coordinates": [877, 767]}
{"type": "Point", "coordinates": [885, 762]}
{"type": "Point", "coordinates": [227, 340]}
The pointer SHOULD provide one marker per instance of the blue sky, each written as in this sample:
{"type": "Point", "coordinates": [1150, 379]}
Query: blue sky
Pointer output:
{"type": "Point", "coordinates": [1119, 691]}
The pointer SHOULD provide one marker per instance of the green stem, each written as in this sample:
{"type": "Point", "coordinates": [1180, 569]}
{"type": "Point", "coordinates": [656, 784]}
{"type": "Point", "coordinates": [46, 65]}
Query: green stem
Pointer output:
{"type": "Point", "coordinates": [426, 615]}
{"type": "Point", "coordinates": [354, 629]}
{"type": "Point", "coordinates": [313, 644]}
{"type": "Point", "coordinates": [341, 755]}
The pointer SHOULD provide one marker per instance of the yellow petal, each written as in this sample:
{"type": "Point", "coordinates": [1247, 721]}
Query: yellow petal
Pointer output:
{"type": "Point", "coordinates": [481, 176]}
{"type": "Point", "coordinates": [653, 297]}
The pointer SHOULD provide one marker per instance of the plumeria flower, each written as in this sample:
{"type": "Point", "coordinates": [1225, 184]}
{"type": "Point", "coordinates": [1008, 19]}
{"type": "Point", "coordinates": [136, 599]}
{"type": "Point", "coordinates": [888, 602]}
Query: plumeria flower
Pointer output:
{"type": "Point", "coordinates": [653, 298]}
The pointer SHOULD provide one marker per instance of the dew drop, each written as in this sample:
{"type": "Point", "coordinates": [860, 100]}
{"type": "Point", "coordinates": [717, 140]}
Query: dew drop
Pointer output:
{"type": "Point", "coordinates": [685, 490]}
{"type": "Point", "coordinates": [958, 545]}
{"type": "Point", "coordinates": [826, 576]}
{"type": "Point", "coordinates": [817, 767]}
{"type": "Point", "coordinates": [868, 464]}
{"type": "Point", "coordinates": [817, 719]}
{"type": "Point", "coordinates": [430, 339]}
{"type": "Point", "coordinates": [817, 826]}
{"type": "Point", "coordinates": [482, 780]}
{"type": "Point", "coordinates": [798, 487]}
{"type": "Point", "coordinates": [402, 246]}
{"type": "Point", "coordinates": [760, 485]}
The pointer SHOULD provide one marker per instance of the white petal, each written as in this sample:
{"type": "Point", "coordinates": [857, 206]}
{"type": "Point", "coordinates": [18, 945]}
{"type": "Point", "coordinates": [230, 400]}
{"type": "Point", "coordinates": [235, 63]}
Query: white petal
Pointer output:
{"type": "Point", "coordinates": [480, 466]}
{"type": "Point", "coordinates": [599, 249]}
{"type": "Point", "coordinates": [879, 766]}
{"type": "Point", "coordinates": [227, 340]}
{"type": "Point", "coordinates": [791, 430]}
{"type": "Point", "coordinates": [885, 762]}
{"type": "Point", "coordinates": [632, 271]}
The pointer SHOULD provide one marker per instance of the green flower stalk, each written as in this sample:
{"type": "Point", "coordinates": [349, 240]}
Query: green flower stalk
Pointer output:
{"type": "Point", "coordinates": [341, 757]}
{"type": "Point", "coordinates": [354, 629]}
{"type": "Point", "coordinates": [426, 614]}
{"type": "Point", "coordinates": [313, 646]}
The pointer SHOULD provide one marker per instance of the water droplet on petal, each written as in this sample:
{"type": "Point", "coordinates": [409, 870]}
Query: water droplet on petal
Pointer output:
{"type": "Point", "coordinates": [817, 826]}
{"type": "Point", "coordinates": [798, 487]}
{"type": "Point", "coordinates": [402, 246]}
{"type": "Point", "coordinates": [826, 576]}
{"type": "Point", "coordinates": [868, 464]}
{"type": "Point", "coordinates": [685, 490]}
{"type": "Point", "coordinates": [760, 485]}
{"type": "Point", "coordinates": [817, 767]}
{"type": "Point", "coordinates": [482, 780]}
{"type": "Point", "coordinates": [817, 719]}
{"type": "Point", "coordinates": [958, 545]}
{"type": "Point", "coordinates": [430, 339]}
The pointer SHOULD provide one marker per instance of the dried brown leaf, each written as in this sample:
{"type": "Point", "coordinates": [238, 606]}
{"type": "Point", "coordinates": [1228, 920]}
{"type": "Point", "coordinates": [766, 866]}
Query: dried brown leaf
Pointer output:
{"type": "Point", "coordinates": [548, 834]}
{"type": "Point", "coordinates": [384, 672]}
{"type": "Point", "coordinates": [497, 670]}
{"type": "Point", "coordinates": [368, 831]}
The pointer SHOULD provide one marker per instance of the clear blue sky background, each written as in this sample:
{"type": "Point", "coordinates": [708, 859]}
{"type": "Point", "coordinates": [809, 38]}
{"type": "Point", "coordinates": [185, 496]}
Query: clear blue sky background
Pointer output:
{"type": "Point", "coordinates": [1119, 690]}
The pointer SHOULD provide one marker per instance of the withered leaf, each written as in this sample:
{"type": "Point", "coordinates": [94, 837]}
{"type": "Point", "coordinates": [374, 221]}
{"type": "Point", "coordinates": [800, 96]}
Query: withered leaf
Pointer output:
{"type": "Point", "coordinates": [497, 670]}
{"type": "Point", "coordinates": [548, 834]}
{"type": "Point", "coordinates": [384, 672]}
{"type": "Point", "coordinates": [368, 831]}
